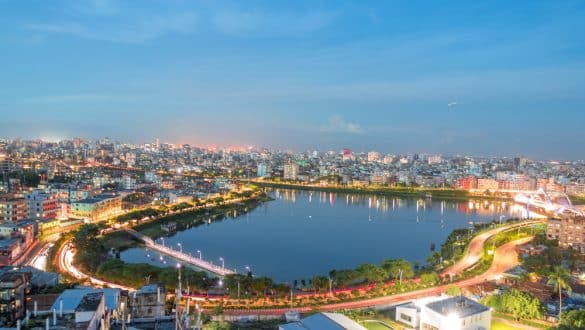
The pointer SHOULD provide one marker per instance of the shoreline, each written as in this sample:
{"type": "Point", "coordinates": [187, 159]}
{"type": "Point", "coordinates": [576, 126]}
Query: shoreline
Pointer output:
{"type": "Point", "coordinates": [443, 194]}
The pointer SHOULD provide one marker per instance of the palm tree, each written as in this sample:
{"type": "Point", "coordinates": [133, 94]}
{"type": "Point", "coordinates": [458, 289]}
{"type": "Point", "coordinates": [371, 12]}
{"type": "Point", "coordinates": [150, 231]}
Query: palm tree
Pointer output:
{"type": "Point", "coordinates": [559, 278]}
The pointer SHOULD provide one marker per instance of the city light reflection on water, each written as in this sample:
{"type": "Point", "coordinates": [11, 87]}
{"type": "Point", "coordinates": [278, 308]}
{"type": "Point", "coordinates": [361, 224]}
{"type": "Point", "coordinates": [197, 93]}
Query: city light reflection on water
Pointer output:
{"type": "Point", "coordinates": [303, 233]}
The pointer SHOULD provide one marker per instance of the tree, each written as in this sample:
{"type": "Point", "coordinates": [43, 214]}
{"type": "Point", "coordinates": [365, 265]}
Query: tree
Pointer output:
{"type": "Point", "coordinates": [574, 320]}
{"type": "Point", "coordinates": [559, 279]}
{"type": "Point", "coordinates": [372, 273]}
{"type": "Point", "coordinates": [452, 290]}
{"type": "Point", "coordinates": [394, 267]}
{"type": "Point", "coordinates": [320, 283]}
{"type": "Point", "coordinates": [519, 304]}
{"type": "Point", "coordinates": [429, 278]}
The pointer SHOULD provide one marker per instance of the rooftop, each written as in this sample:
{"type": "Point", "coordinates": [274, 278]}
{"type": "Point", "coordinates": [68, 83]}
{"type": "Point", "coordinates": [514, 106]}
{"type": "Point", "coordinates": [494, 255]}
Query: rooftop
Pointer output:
{"type": "Point", "coordinates": [90, 302]}
{"type": "Point", "coordinates": [324, 321]}
{"type": "Point", "coordinates": [461, 306]}
{"type": "Point", "coordinates": [72, 298]}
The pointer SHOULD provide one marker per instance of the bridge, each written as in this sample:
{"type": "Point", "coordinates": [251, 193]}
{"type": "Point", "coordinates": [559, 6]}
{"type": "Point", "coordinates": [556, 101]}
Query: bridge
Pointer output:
{"type": "Point", "coordinates": [200, 263]}
{"type": "Point", "coordinates": [548, 203]}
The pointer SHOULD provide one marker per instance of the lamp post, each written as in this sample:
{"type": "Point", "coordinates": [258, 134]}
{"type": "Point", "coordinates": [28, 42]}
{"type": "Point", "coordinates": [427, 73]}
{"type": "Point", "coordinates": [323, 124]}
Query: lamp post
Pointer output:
{"type": "Point", "coordinates": [163, 241]}
{"type": "Point", "coordinates": [178, 324]}
{"type": "Point", "coordinates": [180, 247]}
{"type": "Point", "coordinates": [200, 255]}
{"type": "Point", "coordinates": [222, 262]}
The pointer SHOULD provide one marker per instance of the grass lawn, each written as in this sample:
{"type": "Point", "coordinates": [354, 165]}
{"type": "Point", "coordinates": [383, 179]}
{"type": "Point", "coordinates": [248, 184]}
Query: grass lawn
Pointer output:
{"type": "Point", "coordinates": [375, 326]}
{"type": "Point", "coordinates": [498, 325]}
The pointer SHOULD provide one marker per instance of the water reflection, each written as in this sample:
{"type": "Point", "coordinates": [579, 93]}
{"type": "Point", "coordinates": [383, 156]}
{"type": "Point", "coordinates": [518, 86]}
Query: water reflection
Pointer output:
{"type": "Point", "coordinates": [303, 233]}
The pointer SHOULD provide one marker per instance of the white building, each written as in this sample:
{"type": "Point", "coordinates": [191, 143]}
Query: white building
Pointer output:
{"type": "Point", "coordinates": [373, 156]}
{"type": "Point", "coordinates": [262, 170]}
{"type": "Point", "coordinates": [445, 313]}
{"type": "Point", "coordinates": [291, 171]}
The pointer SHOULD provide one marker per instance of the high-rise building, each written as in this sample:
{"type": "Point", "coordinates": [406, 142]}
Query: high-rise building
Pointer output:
{"type": "Point", "coordinates": [42, 205]}
{"type": "Point", "coordinates": [348, 154]}
{"type": "Point", "coordinates": [373, 156]}
{"type": "Point", "coordinates": [13, 209]}
{"type": "Point", "coordinates": [291, 171]}
{"type": "Point", "coordinates": [262, 170]}
{"type": "Point", "coordinates": [434, 159]}
{"type": "Point", "coordinates": [569, 231]}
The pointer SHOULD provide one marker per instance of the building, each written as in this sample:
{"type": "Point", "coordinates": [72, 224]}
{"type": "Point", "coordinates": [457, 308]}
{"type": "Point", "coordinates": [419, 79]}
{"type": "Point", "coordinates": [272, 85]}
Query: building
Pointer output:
{"type": "Point", "coordinates": [467, 183]}
{"type": "Point", "coordinates": [42, 205]}
{"type": "Point", "coordinates": [13, 286]}
{"type": "Point", "coordinates": [373, 156]}
{"type": "Point", "coordinates": [323, 321]}
{"type": "Point", "coordinates": [261, 171]}
{"type": "Point", "coordinates": [348, 155]}
{"type": "Point", "coordinates": [15, 240]}
{"type": "Point", "coordinates": [444, 313]}
{"type": "Point", "coordinates": [148, 302]}
{"type": "Point", "coordinates": [455, 313]}
{"type": "Point", "coordinates": [435, 159]}
{"type": "Point", "coordinates": [97, 208]}
{"type": "Point", "coordinates": [13, 209]}
{"type": "Point", "coordinates": [569, 231]}
{"type": "Point", "coordinates": [487, 184]}
{"type": "Point", "coordinates": [291, 171]}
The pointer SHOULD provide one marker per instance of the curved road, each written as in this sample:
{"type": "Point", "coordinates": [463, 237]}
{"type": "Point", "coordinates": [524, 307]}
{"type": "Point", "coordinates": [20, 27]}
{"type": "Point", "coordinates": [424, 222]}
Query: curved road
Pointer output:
{"type": "Point", "coordinates": [505, 258]}
{"type": "Point", "coordinates": [66, 255]}
{"type": "Point", "coordinates": [475, 250]}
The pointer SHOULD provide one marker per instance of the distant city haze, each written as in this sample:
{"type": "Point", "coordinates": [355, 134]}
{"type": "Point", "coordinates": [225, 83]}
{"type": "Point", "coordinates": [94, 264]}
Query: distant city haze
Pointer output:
{"type": "Point", "coordinates": [493, 78]}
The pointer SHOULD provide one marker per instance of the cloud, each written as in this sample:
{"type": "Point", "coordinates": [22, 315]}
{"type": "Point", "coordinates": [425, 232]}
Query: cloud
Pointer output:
{"type": "Point", "coordinates": [337, 124]}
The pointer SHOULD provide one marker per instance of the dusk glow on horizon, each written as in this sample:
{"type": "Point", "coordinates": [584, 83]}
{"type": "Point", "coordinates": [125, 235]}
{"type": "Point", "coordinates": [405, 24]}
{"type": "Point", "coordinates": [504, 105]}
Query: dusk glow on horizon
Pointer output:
{"type": "Point", "coordinates": [495, 78]}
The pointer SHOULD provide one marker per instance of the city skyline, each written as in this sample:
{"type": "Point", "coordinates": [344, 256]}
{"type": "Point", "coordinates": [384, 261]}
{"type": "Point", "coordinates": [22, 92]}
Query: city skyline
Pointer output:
{"type": "Point", "coordinates": [458, 78]}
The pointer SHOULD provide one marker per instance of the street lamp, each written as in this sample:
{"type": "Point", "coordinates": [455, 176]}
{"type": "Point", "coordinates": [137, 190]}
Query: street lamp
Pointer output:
{"type": "Point", "coordinates": [163, 241]}
{"type": "Point", "coordinates": [200, 255]}
{"type": "Point", "coordinates": [180, 247]}
{"type": "Point", "coordinates": [222, 262]}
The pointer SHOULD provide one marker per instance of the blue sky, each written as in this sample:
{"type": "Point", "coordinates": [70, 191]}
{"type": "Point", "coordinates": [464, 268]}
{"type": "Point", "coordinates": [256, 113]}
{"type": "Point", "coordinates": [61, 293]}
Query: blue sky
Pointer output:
{"type": "Point", "coordinates": [455, 77]}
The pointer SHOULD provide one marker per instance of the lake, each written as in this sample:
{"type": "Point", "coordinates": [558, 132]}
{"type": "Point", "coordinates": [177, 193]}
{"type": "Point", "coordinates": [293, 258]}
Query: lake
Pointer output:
{"type": "Point", "coordinates": [302, 233]}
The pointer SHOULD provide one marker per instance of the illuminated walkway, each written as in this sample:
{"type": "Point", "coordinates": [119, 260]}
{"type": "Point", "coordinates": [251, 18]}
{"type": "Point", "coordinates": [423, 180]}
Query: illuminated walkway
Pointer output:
{"type": "Point", "coordinates": [200, 263]}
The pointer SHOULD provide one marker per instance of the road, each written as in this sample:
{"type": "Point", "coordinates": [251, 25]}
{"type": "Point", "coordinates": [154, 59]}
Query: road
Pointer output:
{"type": "Point", "coordinates": [475, 250]}
{"type": "Point", "coordinates": [66, 254]}
{"type": "Point", "coordinates": [505, 257]}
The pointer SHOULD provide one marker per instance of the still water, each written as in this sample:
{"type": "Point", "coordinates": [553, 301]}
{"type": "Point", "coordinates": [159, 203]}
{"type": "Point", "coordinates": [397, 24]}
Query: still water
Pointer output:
{"type": "Point", "coordinates": [302, 233]}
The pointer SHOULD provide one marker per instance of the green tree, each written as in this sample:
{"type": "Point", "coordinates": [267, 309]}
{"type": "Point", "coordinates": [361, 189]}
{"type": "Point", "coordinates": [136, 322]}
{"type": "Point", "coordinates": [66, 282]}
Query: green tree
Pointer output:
{"type": "Point", "coordinates": [90, 252]}
{"type": "Point", "coordinates": [372, 273]}
{"type": "Point", "coordinates": [452, 290]}
{"type": "Point", "coordinates": [518, 304]}
{"type": "Point", "coordinates": [431, 278]}
{"type": "Point", "coordinates": [573, 320]}
{"type": "Point", "coordinates": [559, 279]}
{"type": "Point", "coordinates": [395, 266]}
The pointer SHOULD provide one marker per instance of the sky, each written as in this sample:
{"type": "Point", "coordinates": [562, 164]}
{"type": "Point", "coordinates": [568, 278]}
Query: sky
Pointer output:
{"type": "Point", "coordinates": [452, 77]}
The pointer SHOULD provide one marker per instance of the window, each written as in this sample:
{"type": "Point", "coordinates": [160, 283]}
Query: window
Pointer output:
{"type": "Point", "coordinates": [405, 317]}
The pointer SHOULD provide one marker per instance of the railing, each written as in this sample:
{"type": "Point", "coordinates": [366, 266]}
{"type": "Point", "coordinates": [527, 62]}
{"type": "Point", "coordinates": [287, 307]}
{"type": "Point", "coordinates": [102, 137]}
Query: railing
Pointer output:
{"type": "Point", "coordinates": [206, 265]}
